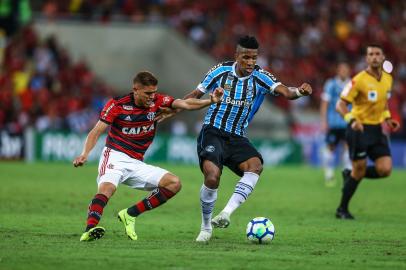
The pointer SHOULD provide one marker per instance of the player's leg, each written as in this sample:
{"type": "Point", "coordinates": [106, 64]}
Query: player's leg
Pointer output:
{"type": "Point", "coordinates": [328, 165]}
{"type": "Point", "coordinates": [246, 162]}
{"type": "Point", "coordinates": [107, 180]}
{"type": "Point", "coordinates": [358, 145]}
{"type": "Point", "coordinates": [383, 168]}
{"type": "Point", "coordinates": [351, 183]}
{"type": "Point", "coordinates": [346, 161]}
{"type": "Point", "coordinates": [208, 198]}
{"type": "Point", "coordinates": [210, 150]}
{"type": "Point", "coordinates": [95, 212]}
{"type": "Point", "coordinates": [162, 184]}
{"type": "Point", "coordinates": [380, 153]}
{"type": "Point", "coordinates": [328, 157]}
{"type": "Point", "coordinates": [168, 186]}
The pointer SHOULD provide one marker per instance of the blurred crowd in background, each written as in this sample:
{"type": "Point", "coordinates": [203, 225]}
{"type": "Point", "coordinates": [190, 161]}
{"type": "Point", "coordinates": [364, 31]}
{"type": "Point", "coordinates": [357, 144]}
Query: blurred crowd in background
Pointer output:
{"type": "Point", "coordinates": [300, 41]}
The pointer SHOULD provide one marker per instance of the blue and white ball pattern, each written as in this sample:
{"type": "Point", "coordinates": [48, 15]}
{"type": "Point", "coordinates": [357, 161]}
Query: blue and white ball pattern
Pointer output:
{"type": "Point", "coordinates": [260, 230]}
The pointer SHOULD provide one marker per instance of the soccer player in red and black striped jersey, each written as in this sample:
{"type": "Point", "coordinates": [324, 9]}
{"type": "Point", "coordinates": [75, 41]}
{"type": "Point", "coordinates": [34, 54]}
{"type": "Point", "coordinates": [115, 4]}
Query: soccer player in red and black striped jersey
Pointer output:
{"type": "Point", "coordinates": [132, 128]}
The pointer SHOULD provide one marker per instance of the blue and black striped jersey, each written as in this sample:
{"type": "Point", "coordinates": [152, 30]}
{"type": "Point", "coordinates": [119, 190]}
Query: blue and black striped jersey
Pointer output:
{"type": "Point", "coordinates": [331, 93]}
{"type": "Point", "coordinates": [242, 96]}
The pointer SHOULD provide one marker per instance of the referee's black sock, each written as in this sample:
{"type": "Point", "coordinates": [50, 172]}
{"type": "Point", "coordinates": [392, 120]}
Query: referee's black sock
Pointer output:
{"type": "Point", "coordinates": [348, 191]}
{"type": "Point", "coordinates": [371, 173]}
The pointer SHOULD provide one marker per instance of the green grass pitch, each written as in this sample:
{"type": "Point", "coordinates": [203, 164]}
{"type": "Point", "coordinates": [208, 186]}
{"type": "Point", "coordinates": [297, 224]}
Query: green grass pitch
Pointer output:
{"type": "Point", "coordinates": [43, 211]}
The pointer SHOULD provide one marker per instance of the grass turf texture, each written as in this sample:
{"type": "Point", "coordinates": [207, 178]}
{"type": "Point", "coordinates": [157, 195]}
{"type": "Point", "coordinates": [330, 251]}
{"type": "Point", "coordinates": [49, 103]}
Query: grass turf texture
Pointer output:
{"type": "Point", "coordinates": [43, 211]}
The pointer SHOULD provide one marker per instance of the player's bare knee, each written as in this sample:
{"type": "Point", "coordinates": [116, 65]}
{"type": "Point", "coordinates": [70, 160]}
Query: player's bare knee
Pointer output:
{"type": "Point", "coordinates": [176, 184]}
{"type": "Point", "coordinates": [171, 182]}
{"type": "Point", "coordinates": [107, 189]}
{"type": "Point", "coordinates": [258, 169]}
{"type": "Point", "coordinates": [385, 172]}
{"type": "Point", "coordinates": [211, 181]}
{"type": "Point", "coordinates": [358, 172]}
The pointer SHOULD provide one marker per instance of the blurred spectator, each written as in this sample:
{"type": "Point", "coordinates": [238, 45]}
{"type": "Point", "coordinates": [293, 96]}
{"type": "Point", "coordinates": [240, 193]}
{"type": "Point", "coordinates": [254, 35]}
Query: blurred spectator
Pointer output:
{"type": "Point", "coordinates": [41, 87]}
{"type": "Point", "coordinates": [301, 40]}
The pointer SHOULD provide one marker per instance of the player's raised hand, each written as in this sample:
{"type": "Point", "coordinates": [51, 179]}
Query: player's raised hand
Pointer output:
{"type": "Point", "coordinates": [393, 124]}
{"type": "Point", "coordinates": [305, 89]}
{"type": "Point", "coordinates": [79, 161]}
{"type": "Point", "coordinates": [217, 95]}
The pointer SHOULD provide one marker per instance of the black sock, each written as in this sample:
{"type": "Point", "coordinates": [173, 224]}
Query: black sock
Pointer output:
{"type": "Point", "coordinates": [371, 173]}
{"type": "Point", "coordinates": [348, 191]}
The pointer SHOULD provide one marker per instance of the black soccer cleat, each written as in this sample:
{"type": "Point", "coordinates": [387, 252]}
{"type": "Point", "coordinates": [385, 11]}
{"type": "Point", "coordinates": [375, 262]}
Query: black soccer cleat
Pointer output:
{"type": "Point", "coordinates": [343, 214]}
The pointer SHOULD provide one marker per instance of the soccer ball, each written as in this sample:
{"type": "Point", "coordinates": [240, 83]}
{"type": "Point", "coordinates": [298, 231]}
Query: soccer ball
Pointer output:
{"type": "Point", "coordinates": [260, 230]}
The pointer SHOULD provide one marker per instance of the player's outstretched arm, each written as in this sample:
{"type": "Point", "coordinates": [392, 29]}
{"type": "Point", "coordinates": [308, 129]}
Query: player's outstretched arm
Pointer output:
{"type": "Point", "coordinates": [166, 112]}
{"type": "Point", "coordinates": [90, 142]}
{"type": "Point", "coordinates": [294, 92]}
{"type": "Point", "coordinates": [195, 104]}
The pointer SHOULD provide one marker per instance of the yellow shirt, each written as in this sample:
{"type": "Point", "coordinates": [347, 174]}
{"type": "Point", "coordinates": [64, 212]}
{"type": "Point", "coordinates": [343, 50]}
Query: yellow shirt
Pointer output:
{"type": "Point", "coordinates": [368, 96]}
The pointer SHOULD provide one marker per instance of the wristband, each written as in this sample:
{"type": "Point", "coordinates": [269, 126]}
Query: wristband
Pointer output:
{"type": "Point", "coordinates": [348, 117]}
{"type": "Point", "coordinates": [298, 94]}
{"type": "Point", "coordinates": [386, 114]}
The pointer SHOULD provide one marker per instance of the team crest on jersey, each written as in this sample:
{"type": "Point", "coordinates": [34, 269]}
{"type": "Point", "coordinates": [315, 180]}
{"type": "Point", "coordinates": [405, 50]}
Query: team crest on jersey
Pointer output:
{"type": "Point", "coordinates": [127, 107]}
{"type": "Point", "coordinates": [151, 116]}
{"type": "Point", "coordinates": [227, 87]}
{"type": "Point", "coordinates": [210, 148]}
{"type": "Point", "coordinates": [166, 100]}
{"type": "Point", "coordinates": [372, 95]}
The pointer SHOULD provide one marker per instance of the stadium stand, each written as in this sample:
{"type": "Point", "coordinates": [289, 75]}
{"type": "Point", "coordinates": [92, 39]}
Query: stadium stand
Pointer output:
{"type": "Point", "coordinates": [301, 41]}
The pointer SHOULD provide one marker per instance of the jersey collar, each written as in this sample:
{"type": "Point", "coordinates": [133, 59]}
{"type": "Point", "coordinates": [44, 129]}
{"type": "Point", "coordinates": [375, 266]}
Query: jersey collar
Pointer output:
{"type": "Point", "coordinates": [235, 73]}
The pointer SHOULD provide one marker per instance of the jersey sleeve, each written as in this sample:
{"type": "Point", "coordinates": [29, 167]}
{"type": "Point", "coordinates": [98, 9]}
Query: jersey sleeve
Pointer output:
{"type": "Point", "coordinates": [327, 91]}
{"type": "Point", "coordinates": [267, 82]}
{"type": "Point", "coordinates": [109, 112]}
{"type": "Point", "coordinates": [212, 79]}
{"type": "Point", "coordinates": [165, 100]}
{"type": "Point", "coordinates": [350, 90]}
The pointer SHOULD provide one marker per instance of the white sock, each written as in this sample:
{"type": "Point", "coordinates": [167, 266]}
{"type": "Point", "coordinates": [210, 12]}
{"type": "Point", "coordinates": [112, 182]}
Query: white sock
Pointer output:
{"type": "Point", "coordinates": [346, 160]}
{"type": "Point", "coordinates": [208, 198]}
{"type": "Point", "coordinates": [328, 160]}
{"type": "Point", "coordinates": [242, 190]}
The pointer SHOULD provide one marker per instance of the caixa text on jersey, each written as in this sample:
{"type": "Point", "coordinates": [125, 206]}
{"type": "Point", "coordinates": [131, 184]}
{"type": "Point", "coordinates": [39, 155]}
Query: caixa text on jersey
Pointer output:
{"type": "Point", "coordinates": [137, 130]}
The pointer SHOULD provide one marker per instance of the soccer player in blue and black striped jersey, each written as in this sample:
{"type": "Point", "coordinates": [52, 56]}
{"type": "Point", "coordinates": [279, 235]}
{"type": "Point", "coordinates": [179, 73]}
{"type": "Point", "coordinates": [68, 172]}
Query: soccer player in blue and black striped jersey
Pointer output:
{"type": "Point", "coordinates": [332, 124]}
{"type": "Point", "coordinates": [222, 140]}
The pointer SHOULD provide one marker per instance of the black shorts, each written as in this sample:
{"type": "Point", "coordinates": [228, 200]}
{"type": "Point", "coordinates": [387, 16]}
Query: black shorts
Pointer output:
{"type": "Point", "coordinates": [335, 135]}
{"type": "Point", "coordinates": [224, 148]}
{"type": "Point", "coordinates": [370, 143]}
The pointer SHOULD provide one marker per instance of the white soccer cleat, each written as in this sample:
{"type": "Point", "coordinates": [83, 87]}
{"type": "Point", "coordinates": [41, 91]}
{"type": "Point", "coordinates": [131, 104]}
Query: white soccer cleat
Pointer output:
{"type": "Point", "coordinates": [222, 220]}
{"type": "Point", "coordinates": [204, 236]}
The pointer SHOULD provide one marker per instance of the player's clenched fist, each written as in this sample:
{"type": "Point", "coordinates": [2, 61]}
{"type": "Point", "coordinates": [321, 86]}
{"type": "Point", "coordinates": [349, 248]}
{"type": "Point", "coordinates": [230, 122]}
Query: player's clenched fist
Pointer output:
{"type": "Point", "coordinates": [305, 89]}
{"type": "Point", "coordinates": [79, 161]}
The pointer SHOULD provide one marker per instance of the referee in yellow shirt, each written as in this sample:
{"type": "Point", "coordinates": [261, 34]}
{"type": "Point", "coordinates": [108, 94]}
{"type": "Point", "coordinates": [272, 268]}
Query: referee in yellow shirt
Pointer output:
{"type": "Point", "coordinates": [368, 92]}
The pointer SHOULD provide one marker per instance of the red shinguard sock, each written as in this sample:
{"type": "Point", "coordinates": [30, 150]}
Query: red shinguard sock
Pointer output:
{"type": "Point", "coordinates": [157, 197]}
{"type": "Point", "coordinates": [96, 210]}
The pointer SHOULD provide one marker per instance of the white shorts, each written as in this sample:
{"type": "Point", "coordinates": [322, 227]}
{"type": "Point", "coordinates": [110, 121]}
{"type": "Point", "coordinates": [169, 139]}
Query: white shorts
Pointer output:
{"type": "Point", "coordinates": [118, 168]}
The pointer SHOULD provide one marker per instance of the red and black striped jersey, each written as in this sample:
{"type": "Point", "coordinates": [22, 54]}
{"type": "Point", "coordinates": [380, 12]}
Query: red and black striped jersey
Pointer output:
{"type": "Point", "coordinates": [132, 128]}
